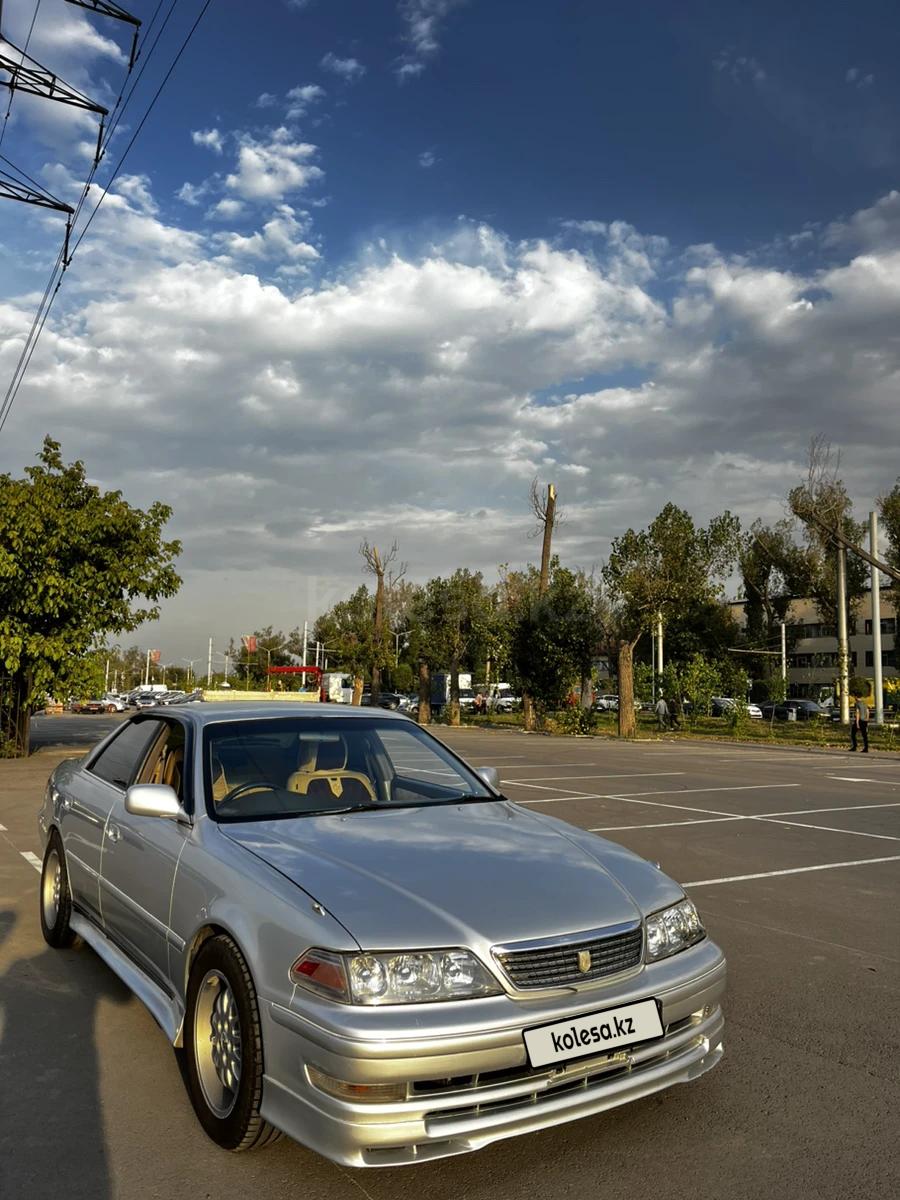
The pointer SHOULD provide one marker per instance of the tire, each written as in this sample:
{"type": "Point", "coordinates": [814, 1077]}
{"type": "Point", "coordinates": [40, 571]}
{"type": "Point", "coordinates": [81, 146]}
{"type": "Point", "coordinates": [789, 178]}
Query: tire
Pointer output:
{"type": "Point", "coordinates": [223, 1048]}
{"type": "Point", "coordinates": [56, 896]}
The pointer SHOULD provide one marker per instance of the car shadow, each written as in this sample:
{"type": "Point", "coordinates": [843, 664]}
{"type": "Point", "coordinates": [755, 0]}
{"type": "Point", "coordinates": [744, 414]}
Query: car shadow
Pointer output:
{"type": "Point", "coordinates": [51, 1124]}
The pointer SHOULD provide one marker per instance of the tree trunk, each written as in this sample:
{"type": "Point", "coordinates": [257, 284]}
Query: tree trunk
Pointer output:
{"type": "Point", "coordinates": [424, 717]}
{"type": "Point", "coordinates": [15, 716]}
{"type": "Point", "coordinates": [454, 692]}
{"type": "Point", "coordinates": [528, 715]}
{"type": "Point", "coordinates": [357, 689]}
{"type": "Point", "coordinates": [587, 691]}
{"type": "Point", "coordinates": [379, 632]}
{"type": "Point", "coordinates": [627, 724]}
{"type": "Point", "coordinates": [549, 515]}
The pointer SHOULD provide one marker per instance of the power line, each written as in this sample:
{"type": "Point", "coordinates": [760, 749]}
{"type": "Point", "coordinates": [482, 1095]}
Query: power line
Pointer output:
{"type": "Point", "coordinates": [40, 318]}
{"type": "Point", "coordinates": [24, 52]}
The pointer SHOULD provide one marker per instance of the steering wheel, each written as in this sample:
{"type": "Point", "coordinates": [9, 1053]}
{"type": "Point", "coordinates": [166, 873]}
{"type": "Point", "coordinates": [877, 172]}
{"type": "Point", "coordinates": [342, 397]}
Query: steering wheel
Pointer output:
{"type": "Point", "coordinates": [254, 785]}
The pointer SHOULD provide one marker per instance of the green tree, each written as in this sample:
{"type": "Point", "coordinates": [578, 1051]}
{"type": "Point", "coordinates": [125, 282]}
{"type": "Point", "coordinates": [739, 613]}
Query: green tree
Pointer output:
{"type": "Point", "coordinates": [349, 627]}
{"type": "Point", "coordinates": [76, 565]}
{"type": "Point", "coordinates": [700, 682]}
{"type": "Point", "coordinates": [889, 507]}
{"type": "Point", "coordinates": [661, 571]}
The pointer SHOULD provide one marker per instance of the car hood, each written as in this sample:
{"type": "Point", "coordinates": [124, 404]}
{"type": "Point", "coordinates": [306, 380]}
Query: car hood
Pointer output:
{"type": "Point", "coordinates": [471, 874]}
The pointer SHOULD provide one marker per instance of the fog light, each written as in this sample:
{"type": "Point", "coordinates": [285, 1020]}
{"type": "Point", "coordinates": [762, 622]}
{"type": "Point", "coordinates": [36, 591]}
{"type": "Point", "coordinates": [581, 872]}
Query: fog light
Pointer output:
{"type": "Point", "coordinates": [364, 1093]}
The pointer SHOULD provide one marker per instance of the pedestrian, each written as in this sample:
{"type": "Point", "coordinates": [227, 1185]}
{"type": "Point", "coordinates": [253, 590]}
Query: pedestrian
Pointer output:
{"type": "Point", "coordinates": [480, 705]}
{"type": "Point", "coordinates": [860, 723]}
{"type": "Point", "coordinates": [662, 713]}
{"type": "Point", "coordinates": [673, 714]}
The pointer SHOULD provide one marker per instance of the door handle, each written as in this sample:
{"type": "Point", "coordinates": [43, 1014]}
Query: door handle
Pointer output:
{"type": "Point", "coordinates": [113, 832]}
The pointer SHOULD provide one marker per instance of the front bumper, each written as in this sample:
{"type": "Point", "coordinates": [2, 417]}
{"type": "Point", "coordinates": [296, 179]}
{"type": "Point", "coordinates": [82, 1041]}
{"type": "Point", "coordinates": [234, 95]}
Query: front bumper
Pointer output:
{"type": "Point", "coordinates": [469, 1086]}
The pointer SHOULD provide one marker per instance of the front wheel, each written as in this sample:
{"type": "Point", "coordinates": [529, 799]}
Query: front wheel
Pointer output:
{"type": "Point", "coordinates": [223, 1048]}
{"type": "Point", "coordinates": [56, 898]}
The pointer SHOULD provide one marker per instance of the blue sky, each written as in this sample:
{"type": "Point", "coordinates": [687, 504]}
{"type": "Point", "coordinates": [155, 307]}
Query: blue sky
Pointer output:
{"type": "Point", "coordinates": [374, 264]}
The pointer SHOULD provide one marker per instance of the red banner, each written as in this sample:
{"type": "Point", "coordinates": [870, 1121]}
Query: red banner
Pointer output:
{"type": "Point", "coordinates": [154, 656]}
{"type": "Point", "coordinates": [249, 643]}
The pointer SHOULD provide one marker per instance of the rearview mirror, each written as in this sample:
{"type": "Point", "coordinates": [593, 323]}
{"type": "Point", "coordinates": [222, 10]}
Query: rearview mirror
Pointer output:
{"type": "Point", "coordinates": [153, 800]}
{"type": "Point", "coordinates": [491, 777]}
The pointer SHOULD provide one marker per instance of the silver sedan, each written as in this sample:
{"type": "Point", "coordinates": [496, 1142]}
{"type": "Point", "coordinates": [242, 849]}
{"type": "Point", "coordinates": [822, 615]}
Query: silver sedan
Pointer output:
{"type": "Point", "coordinates": [353, 938]}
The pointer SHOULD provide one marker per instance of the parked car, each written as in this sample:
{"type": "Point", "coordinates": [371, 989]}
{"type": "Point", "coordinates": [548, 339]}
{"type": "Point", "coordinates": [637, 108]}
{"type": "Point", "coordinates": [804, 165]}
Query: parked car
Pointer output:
{"type": "Point", "coordinates": [335, 917]}
{"type": "Point", "coordinates": [100, 705]}
{"type": "Point", "coordinates": [389, 700]}
{"type": "Point", "coordinates": [804, 710]}
{"type": "Point", "coordinates": [607, 703]}
{"type": "Point", "coordinates": [721, 706]}
{"type": "Point", "coordinates": [147, 700]}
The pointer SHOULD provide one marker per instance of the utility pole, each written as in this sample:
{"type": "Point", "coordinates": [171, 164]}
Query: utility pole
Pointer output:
{"type": "Point", "coordinates": [305, 640]}
{"type": "Point", "coordinates": [659, 647]}
{"type": "Point", "coordinates": [209, 666]}
{"type": "Point", "coordinates": [843, 655]}
{"type": "Point", "coordinates": [784, 658]}
{"type": "Point", "coordinates": [106, 678]}
{"type": "Point", "coordinates": [147, 670]}
{"type": "Point", "coordinates": [876, 621]}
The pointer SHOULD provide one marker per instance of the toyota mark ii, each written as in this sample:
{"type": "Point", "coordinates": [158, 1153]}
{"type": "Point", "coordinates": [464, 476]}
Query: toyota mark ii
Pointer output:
{"type": "Point", "coordinates": [352, 937]}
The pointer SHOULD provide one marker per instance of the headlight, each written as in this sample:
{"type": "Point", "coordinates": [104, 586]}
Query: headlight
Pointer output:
{"type": "Point", "coordinates": [397, 977]}
{"type": "Point", "coordinates": [672, 930]}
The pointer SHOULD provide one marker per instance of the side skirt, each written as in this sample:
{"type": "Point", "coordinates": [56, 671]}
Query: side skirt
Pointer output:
{"type": "Point", "coordinates": [166, 1012]}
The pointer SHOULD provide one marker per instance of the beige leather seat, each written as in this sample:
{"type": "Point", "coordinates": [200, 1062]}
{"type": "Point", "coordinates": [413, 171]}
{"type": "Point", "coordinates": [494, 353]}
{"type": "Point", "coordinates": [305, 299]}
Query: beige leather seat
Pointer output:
{"type": "Point", "coordinates": [220, 788]}
{"type": "Point", "coordinates": [173, 769]}
{"type": "Point", "coordinates": [322, 765]}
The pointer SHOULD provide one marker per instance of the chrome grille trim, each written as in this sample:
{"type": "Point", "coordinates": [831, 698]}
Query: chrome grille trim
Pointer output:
{"type": "Point", "coordinates": [553, 962]}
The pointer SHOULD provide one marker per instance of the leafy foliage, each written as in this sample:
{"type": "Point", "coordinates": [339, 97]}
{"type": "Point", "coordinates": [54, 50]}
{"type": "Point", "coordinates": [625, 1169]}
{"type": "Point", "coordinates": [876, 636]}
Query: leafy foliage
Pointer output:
{"type": "Point", "coordinates": [889, 507]}
{"type": "Point", "coordinates": [76, 565]}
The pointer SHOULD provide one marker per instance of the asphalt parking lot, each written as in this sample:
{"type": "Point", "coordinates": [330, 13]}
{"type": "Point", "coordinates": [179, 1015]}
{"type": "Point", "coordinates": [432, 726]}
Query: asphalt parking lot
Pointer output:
{"type": "Point", "coordinates": [793, 858]}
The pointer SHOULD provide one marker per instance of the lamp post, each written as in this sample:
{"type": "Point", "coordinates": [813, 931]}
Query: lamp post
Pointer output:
{"type": "Point", "coordinates": [190, 662]}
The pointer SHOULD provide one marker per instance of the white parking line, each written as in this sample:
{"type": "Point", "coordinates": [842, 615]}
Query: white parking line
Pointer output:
{"type": "Point", "coordinates": [632, 798]}
{"type": "Point", "coordinates": [629, 775]}
{"type": "Point", "coordinates": [794, 812]}
{"type": "Point", "coordinates": [31, 858]}
{"type": "Point", "coordinates": [3, 829]}
{"type": "Point", "coordinates": [855, 779]}
{"type": "Point", "coordinates": [856, 862]}
{"type": "Point", "coordinates": [885, 837]}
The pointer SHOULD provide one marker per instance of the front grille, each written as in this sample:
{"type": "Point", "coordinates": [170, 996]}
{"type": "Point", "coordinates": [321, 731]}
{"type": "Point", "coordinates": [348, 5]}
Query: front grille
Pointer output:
{"type": "Point", "coordinates": [556, 964]}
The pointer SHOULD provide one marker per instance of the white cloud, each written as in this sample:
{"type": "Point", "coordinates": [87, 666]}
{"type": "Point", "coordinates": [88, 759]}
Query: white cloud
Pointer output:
{"type": "Point", "coordinates": [266, 100]}
{"type": "Point", "coordinates": [273, 169]}
{"type": "Point", "coordinates": [859, 79]}
{"type": "Point", "coordinates": [210, 138]}
{"type": "Point", "coordinates": [226, 209]}
{"type": "Point", "coordinates": [300, 99]}
{"type": "Point", "coordinates": [191, 193]}
{"type": "Point", "coordinates": [349, 69]}
{"type": "Point", "coordinates": [414, 394]}
{"type": "Point", "coordinates": [423, 19]}
{"type": "Point", "coordinates": [281, 238]}
{"type": "Point", "coordinates": [741, 68]}
{"type": "Point", "coordinates": [427, 159]}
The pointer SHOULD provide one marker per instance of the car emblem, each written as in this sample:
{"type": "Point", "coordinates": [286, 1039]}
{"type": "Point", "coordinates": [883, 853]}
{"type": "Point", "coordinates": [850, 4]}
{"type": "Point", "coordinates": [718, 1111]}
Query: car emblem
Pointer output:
{"type": "Point", "coordinates": [584, 961]}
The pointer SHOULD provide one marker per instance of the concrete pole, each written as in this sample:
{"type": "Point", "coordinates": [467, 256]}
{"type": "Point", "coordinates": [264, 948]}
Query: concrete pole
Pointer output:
{"type": "Point", "coordinates": [209, 666]}
{"type": "Point", "coordinates": [305, 640]}
{"type": "Point", "coordinates": [659, 647]}
{"type": "Point", "coordinates": [784, 658]}
{"type": "Point", "coordinates": [843, 653]}
{"type": "Point", "coordinates": [106, 678]}
{"type": "Point", "coordinates": [147, 670]}
{"type": "Point", "coordinates": [876, 621]}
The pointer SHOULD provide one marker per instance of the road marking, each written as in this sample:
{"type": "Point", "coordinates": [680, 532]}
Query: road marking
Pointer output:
{"type": "Point", "coordinates": [743, 787]}
{"type": "Point", "coordinates": [636, 775]}
{"type": "Point", "coordinates": [886, 837]}
{"type": "Point", "coordinates": [632, 798]}
{"type": "Point", "coordinates": [3, 829]}
{"type": "Point", "coordinates": [856, 862]}
{"type": "Point", "coordinates": [854, 779]}
{"type": "Point", "coordinates": [31, 858]}
{"type": "Point", "coordinates": [794, 812]}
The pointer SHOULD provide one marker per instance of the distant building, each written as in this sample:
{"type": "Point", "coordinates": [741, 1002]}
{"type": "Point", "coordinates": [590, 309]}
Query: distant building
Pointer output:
{"type": "Point", "coordinates": [812, 648]}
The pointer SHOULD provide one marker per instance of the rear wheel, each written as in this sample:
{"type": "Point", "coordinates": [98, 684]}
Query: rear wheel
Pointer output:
{"type": "Point", "coordinates": [56, 898]}
{"type": "Point", "coordinates": [223, 1048]}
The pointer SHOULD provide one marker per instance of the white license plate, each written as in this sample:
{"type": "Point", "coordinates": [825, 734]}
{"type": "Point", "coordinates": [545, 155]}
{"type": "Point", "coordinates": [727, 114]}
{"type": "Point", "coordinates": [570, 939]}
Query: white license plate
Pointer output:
{"type": "Point", "coordinates": [594, 1033]}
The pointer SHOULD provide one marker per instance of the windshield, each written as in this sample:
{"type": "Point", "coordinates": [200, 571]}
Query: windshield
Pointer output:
{"type": "Point", "coordinates": [271, 767]}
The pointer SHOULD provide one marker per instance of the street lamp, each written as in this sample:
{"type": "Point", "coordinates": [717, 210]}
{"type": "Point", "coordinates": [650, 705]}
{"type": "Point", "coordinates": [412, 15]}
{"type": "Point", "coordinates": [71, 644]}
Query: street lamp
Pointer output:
{"type": "Point", "coordinates": [190, 662]}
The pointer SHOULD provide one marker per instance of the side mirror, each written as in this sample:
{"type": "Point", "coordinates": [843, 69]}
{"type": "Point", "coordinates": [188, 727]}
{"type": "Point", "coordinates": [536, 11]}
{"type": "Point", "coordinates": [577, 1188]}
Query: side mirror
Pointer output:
{"type": "Point", "coordinates": [491, 777]}
{"type": "Point", "coordinates": [153, 800]}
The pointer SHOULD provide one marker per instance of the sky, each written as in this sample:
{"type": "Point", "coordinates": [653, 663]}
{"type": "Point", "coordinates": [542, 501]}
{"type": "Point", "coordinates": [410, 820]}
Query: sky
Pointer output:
{"type": "Point", "coordinates": [371, 266]}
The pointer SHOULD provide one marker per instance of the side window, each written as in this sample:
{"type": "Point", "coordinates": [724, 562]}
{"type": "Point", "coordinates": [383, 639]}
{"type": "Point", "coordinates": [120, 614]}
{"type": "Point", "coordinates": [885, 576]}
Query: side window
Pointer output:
{"type": "Point", "coordinates": [123, 756]}
{"type": "Point", "coordinates": [165, 762]}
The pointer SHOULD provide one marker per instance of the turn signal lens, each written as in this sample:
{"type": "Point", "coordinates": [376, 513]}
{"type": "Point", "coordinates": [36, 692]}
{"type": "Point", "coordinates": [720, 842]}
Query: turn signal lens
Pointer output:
{"type": "Point", "coordinates": [323, 972]}
{"type": "Point", "coordinates": [365, 1093]}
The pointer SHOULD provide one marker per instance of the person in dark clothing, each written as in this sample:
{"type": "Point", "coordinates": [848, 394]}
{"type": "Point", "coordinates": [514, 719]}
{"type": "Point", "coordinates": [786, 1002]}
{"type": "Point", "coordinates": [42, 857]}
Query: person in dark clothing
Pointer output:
{"type": "Point", "coordinates": [860, 724]}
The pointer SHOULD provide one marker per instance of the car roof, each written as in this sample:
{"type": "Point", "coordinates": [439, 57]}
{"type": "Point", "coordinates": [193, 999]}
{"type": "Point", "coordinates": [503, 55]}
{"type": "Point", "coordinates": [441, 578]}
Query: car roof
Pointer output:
{"type": "Point", "coordinates": [213, 712]}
